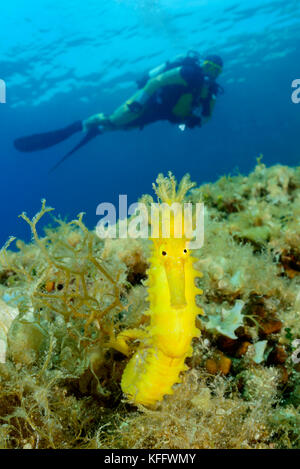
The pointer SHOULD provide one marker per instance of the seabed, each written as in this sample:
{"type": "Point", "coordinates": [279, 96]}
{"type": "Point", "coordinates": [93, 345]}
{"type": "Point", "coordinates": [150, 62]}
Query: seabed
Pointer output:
{"type": "Point", "coordinates": [66, 294]}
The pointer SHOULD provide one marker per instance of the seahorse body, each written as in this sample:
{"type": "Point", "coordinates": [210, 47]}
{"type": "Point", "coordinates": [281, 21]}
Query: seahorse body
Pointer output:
{"type": "Point", "coordinates": [166, 342]}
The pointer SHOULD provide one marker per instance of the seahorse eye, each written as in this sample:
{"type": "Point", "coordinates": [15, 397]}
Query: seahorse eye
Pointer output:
{"type": "Point", "coordinates": [185, 251]}
{"type": "Point", "coordinates": [163, 253]}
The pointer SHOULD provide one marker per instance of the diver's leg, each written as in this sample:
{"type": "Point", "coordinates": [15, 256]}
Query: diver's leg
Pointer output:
{"type": "Point", "coordinates": [124, 115]}
{"type": "Point", "coordinates": [130, 111]}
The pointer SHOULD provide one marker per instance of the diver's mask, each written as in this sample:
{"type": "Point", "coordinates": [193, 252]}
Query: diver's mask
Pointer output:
{"type": "Point", "coordinates": [211, 69]}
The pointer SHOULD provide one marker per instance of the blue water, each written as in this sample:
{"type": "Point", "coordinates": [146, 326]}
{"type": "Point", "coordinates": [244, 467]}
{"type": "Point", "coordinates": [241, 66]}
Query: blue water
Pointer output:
{"type": "Point", "coordinates": [65, 60]}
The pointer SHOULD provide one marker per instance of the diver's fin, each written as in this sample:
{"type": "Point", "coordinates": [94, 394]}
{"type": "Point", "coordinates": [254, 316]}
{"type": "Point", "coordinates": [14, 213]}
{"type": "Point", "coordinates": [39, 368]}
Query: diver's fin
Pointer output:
{"type": "Point", "coordinates": [90, 135]}
{"type": "Point", "coordinates": [45, 140]}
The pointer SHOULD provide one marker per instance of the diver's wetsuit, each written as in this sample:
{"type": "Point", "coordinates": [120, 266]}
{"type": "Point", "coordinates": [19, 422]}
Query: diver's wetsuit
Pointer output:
{"type": "Point", "coordinates": [181, 95]}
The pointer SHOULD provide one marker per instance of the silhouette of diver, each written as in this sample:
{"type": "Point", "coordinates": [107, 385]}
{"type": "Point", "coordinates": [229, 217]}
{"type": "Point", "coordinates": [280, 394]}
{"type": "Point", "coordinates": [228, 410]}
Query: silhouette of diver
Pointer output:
{"type": "Point", "coordinates": [182, 91]}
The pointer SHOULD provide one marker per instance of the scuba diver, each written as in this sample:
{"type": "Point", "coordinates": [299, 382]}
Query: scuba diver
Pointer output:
{"type": "Point", "coordinates": [182, 91]}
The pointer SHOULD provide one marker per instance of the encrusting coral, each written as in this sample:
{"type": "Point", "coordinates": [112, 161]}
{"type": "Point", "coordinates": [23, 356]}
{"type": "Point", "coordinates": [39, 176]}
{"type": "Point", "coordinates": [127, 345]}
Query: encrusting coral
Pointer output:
{"type": "Point", "coordinates": [70, 294]}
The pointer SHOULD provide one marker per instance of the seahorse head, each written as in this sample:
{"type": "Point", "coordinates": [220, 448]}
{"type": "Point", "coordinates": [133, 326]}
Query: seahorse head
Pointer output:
{"type": "Point", "coordinates": [172, 255]}
{"type": "Point", "coordinates": [170, 241]}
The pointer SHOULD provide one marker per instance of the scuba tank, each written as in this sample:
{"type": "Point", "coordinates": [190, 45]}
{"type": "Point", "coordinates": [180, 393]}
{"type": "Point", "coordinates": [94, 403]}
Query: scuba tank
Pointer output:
{"type": "Point", "coordinates": [191, 58]}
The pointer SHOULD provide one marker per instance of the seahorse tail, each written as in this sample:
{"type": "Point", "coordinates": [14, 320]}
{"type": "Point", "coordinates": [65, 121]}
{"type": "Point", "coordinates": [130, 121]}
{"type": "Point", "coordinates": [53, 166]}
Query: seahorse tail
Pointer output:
{"type": "Point", "coordinates": [150, 375]}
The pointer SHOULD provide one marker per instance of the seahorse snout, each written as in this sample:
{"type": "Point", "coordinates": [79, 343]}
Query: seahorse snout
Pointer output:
{"type": "Point", "coordinates": [176, 280]}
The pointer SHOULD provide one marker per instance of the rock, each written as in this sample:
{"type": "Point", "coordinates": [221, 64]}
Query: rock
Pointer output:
{"type": "Point", "coordinates": [242, 349]}
{"type": "Point", "coordinates": [219, 364]}
{"type": "Point", "coordinates": [271, 327]}
{"type": "Point", "coordinates": [278, 356]}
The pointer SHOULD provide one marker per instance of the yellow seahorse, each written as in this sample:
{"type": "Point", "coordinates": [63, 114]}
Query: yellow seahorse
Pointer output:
{"type": "Point", "coordinates": [166, 341]}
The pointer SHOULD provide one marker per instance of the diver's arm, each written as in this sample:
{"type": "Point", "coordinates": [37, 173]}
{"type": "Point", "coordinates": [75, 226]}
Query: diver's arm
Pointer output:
{"type": "Point", "coordinates": [202, 113]}
{"type": "Point", "coordinates": [208, 108]}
